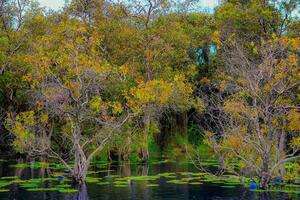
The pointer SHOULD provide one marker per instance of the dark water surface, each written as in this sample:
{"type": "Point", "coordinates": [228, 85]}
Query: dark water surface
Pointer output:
{"type": "Point", "coordinates": [135, 189]}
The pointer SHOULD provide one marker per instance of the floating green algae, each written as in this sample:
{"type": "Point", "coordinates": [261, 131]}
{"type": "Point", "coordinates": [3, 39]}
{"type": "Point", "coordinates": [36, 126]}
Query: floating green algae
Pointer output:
{"type": "Point", "coordinates": [4, 190]}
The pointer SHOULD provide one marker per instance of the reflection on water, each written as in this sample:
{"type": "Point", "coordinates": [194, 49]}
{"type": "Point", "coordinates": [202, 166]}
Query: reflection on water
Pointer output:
{"type": "Point", "coordinates": [135, 189]}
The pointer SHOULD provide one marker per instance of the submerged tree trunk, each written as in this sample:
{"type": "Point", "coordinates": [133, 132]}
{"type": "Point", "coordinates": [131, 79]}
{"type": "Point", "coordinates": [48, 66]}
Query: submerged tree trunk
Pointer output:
{"type": "Point", "coordinates": [80, 171]}
{"type": "Point", "coordinates": [265, 176]}
{"type": "Point", "coordinates": [144, 152]}
{"type": "Point", "coordinates": [81, 164]}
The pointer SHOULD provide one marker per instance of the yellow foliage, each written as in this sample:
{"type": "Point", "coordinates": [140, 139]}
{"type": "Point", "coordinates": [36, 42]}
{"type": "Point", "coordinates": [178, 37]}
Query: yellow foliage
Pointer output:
{"type": "Point", "coordinates": [294, 120]}
{"type": "Point", "coordinates": [117, 108]}
{"type": "Point", "coordinates": [96, 103]}
{"type": "Point", "coordinates": [156, 91]}
{"type": "Point", "coordinates": [233, 141]}
{"type": "Point", "coordinates": [295, 142]}
{"type": "Point", "coordinates": [44, 118]}
{"type": "Point", "coordinates": [234, 108]}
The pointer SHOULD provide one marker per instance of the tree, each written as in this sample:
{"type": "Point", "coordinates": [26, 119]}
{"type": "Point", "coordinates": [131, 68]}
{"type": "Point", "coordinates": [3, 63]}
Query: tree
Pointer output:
{"type": "Point", "coordinates": [18, 22]}
{"type": "Point", "coordinates": [69, 81]}
{"type": "Point", "coordinates": [258, 108]}
{"type": "Point", "coordinates": [154, 51]}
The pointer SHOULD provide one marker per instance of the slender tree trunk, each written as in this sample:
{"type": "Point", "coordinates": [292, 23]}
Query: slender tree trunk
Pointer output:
{"type": "Point", "coordinates": [282, 151]}
{"type": "Point", "coordinates": [144, 154]}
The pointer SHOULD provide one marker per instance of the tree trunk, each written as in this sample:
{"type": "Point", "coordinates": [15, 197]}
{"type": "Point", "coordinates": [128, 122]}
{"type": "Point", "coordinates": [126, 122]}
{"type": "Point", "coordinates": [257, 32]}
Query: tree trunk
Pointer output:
{"type": "Point", "coordinates": [80, 172]}
{"type": "Point", "coordinates": [282, 151]}
{"type": "Point", "coordinates": [144, 152]}
{"type": "Point", "coordinates": [265, 176]}
{"type": "Point", "coordinates": [80, 166]}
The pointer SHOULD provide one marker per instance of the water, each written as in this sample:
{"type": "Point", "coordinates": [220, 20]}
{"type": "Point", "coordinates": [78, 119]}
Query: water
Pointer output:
{"type": "Point", "coordinates": [135, 190]}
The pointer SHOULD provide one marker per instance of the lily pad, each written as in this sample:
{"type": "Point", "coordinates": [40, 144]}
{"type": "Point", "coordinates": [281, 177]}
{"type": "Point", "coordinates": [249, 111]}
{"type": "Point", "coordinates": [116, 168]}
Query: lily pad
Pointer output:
{"type": "Point", "coordinates": [68, 190]}
{"type": "Point", "coordinates": [63, 186]}
{"type": "Point", "coordinates": [103, 183]}
{"type": "Point", "coordinates": [40, 189]}
{"type": "Point", "coordinates": [92, 180]}
{"type": "Point", "coordinates": [195, 183]}
{"type": "Point", "coordinates": [152, 185]}
{"type": "Point", "coordinates": [143, 178]}
{"type": "Point", "coordinates": [122, 186]}
{"type": "Point", "coordinates": [9, 177]}
{"type": "Point", "coordinates": [177, 181]}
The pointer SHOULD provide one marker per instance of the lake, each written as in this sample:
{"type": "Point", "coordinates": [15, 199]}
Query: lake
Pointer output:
{"type": "Point", "coordinates": [157, 180]}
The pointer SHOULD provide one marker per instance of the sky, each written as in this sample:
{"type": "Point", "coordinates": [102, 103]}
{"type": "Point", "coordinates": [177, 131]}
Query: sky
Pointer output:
{"type": "Point", "coordinates": [56, 4]}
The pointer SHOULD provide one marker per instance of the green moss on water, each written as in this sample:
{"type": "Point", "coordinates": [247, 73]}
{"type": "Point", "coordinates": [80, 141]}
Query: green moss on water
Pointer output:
{"type": "Point", "coordinates": [4, 190]}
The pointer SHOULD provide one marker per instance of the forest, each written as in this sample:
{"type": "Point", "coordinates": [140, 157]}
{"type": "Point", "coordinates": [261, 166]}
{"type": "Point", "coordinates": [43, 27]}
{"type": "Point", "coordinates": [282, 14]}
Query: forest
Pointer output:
{"type": "Point", "coordinates": [153, 81]}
